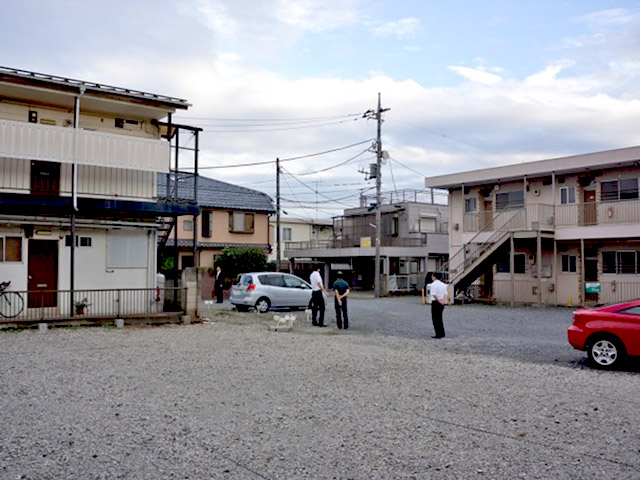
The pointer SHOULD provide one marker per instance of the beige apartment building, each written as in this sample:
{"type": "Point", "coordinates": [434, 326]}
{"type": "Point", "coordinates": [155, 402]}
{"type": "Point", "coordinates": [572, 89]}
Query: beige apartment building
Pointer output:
{"type": "Point", "coordinates": [562, 231]}
{"type": "Point", "coordinates": [79, 204]}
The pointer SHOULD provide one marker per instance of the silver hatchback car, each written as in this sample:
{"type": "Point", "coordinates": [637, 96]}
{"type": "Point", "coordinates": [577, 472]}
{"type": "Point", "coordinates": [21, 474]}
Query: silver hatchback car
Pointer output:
{"type": "Point", "coordinates": [266, 290]}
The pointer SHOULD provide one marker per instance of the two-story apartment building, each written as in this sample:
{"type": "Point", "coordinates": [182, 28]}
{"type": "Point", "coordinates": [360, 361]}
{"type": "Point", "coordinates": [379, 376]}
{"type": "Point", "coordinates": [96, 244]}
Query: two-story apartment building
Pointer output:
{"type": "Point", "coordinates": [413, 242]}
{"type": "Point", "coordinates": [562, 231]}
{"type": "Point", "coordinates": [231, 216]}
{"type": "Point", "coordinates": [78, 184]}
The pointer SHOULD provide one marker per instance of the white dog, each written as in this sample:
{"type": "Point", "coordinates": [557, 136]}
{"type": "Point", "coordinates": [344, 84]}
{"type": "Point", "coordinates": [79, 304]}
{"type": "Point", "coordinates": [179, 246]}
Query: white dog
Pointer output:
{"type": "Point", "coordinates": [285, 321]}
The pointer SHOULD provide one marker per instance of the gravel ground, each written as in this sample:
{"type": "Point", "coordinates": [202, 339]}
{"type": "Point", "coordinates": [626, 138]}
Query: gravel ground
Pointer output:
{"type": "Point", "coordinates": [230, 399]}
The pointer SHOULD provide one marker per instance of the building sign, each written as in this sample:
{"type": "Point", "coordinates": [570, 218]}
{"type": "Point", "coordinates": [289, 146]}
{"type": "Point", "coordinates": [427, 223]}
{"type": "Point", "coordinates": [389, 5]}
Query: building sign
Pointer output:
{"type": "Point", "coordinates": [592, 287]}
{"type": "Point", "coordinates": [365, 241]}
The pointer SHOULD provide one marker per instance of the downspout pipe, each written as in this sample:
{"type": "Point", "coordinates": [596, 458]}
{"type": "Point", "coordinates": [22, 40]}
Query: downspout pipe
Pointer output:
{"type": "Point", "coordinates": [74, 196]}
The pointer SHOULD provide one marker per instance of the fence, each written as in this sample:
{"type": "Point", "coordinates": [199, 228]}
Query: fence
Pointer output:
{"type": "Point", "coordinates": [77, 305]}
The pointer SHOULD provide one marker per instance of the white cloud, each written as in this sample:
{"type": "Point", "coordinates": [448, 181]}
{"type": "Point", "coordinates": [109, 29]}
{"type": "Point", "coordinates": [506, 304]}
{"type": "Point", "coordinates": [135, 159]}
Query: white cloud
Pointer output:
{"type": "Point", "coordinates": [477, 75]}
{"type": "Point", "coordinates": [403, 28]}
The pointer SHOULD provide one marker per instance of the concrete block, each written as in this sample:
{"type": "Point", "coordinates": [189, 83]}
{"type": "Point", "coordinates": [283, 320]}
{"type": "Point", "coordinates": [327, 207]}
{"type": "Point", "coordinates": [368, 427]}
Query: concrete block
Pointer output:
{"type": "Point", "coordinates": [186, 320]}
{"type": "Point", "coordinates": [43, 327]}
{"type": "Point", "coordinates": [119, 322]}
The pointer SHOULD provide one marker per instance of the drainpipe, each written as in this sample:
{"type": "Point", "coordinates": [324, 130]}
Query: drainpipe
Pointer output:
{"type": "Point", "coordinates": [74, 196]}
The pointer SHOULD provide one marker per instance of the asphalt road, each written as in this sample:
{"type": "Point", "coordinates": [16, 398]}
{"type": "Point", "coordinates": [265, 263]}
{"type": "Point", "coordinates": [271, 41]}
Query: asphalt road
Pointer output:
{"type": "Point", "coordinates": [527, 334]}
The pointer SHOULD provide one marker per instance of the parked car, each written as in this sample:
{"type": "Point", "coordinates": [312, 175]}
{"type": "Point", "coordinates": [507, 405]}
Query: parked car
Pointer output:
{"type": "Point", "coordinates": [608, 334]}
{"type": "Point", "coordinates": [266, 290]}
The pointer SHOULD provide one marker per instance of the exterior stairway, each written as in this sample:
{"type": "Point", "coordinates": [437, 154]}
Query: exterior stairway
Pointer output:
{"type": "Point", "coordinates": [468, 263]}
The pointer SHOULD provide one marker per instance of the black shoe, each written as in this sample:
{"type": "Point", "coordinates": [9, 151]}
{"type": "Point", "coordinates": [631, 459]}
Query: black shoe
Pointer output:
{"type": "Point", "coordinates": [322, 326]}
{"type": "Point", "coordinates": [315, 324]}
{"type": "Point", "coordinates": [437, 336]}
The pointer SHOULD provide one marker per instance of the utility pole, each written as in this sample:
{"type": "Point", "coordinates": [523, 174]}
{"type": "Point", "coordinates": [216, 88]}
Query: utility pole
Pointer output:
{"type": "Point", "coordinates": [378, 116]}
{"type": "Point", "coordinates": [278, 252]}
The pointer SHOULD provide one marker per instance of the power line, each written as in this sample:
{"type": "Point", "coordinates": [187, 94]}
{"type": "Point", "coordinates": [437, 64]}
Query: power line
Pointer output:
{"type": "Point", "coordinates": [447, 136]}
{"type": "Point", "coordinates": [271, 162]}
{"type": "Point", "coordinates": [249, 130]}
{"type": "Point", "coordinates": [293, 119]}
{"type": "Point", "coordinates": [333, 166]}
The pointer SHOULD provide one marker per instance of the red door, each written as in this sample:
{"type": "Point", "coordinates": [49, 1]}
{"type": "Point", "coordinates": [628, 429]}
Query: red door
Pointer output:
{"type": "Point", "coordinates": [43, 273]}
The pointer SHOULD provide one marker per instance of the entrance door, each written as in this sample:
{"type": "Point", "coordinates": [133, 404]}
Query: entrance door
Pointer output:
{"type": "Point", "coordinates": [45, 178]}
{"type": "Point", "coordinates": [487, 214]}
{"type": "Point", "coordinates": [43, 273]}
{"type": "Point", "coordinates": [589, 212]}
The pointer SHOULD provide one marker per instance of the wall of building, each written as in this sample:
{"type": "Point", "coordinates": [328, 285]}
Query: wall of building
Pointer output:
{"type": "Point", "coordinates": [220, 229]}
{"type": "Point", "coordinates": [63, 117]}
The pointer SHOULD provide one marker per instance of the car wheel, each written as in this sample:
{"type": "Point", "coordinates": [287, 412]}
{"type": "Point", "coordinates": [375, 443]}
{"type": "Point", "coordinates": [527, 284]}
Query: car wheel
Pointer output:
{"type": "Point", "coordinates": [606, 352]}
{"type": "Point", "coordinates": [263, 305]}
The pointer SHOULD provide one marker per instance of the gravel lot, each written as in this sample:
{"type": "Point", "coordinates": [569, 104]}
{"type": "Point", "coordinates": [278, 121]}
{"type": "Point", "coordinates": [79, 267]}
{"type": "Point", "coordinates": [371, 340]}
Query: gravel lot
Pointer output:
{"type": "Point", "coordinates": [501, 398]}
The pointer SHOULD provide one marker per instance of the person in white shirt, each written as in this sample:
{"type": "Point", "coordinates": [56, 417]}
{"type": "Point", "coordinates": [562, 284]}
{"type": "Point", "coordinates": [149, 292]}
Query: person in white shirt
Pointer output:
{"type": "Point", "coordinates": [317, 300]}
{"type": "Point", "coordinates": [439, 297]}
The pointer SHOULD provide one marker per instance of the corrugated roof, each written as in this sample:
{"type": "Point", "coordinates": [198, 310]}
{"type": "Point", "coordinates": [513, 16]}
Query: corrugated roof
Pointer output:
{"type": "Point", "coordinates": [217, 194]}
{"type": "Point", "coordinates": [97, 88]}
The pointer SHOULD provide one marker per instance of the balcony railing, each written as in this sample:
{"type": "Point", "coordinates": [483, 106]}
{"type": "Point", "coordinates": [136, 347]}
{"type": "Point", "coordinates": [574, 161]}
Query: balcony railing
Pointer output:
{"type": "Point", "coordinates": [57, 144]}
{"type": "Point", "coordinates": [598, 213]}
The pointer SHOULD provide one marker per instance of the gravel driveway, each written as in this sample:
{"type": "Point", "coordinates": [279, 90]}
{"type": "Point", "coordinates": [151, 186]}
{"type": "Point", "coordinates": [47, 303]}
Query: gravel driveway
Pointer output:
{"type": "Point", "coordinates": [232, 400]}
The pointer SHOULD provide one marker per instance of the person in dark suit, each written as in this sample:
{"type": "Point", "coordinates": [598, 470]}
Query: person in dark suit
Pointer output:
{"type": "Point", "coordinates": [341, 291]}
{"type": "Point", "coordinates": [218, 286]}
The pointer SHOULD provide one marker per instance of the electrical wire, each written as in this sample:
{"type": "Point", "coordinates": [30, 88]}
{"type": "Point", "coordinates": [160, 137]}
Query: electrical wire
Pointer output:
{"type": "Point", "coordinates": [333, 166]}
{"type": "Point", "coordinates": [446, 136]}
{"type": "Point", "coordinates": [270, 162]}
{"type": "Point", "coordinates": [249, 130]}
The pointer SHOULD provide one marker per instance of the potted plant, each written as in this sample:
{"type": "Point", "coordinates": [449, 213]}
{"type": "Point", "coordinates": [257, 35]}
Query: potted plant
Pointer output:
{"type": "Point", "coordinates": [81, 305]}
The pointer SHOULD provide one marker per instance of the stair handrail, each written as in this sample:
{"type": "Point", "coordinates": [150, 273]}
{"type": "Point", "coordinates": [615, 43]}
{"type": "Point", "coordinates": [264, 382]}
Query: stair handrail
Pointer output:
{"type": "Point", "coordinates": [468, 255]}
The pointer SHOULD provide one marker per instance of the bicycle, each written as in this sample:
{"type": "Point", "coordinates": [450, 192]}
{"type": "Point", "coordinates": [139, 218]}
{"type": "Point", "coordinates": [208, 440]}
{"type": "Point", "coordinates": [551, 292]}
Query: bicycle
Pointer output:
{"type": "Point", "coordinates": [11, 303]}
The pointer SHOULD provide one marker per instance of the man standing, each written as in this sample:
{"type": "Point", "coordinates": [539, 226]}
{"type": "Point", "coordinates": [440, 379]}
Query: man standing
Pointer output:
{"type": "Point", "coordinates": [218, 286]}
{"type": "Point", "coordinates": [341, 291]}
{"type": "Point", "coordinates": [439, 297]}
{"type": "Point", "coordinates": [317, 300]}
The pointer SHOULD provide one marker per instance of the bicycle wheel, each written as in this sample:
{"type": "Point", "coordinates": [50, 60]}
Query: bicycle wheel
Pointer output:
{"type": "Point", "coordinates": [11, 304]}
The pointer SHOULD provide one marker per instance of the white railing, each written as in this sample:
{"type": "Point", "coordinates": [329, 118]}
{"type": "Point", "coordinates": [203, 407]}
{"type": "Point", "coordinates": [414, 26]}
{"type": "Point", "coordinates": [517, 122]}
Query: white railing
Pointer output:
{"type": "Point", "coordinates": [56, 144]}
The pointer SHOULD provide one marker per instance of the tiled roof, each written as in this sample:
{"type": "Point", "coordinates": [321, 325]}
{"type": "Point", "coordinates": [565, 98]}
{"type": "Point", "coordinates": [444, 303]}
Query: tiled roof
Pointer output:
{"type": "Point", "coordinates": [216, 194]}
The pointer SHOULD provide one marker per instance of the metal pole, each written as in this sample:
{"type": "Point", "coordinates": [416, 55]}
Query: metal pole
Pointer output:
{"type": "Point", "coordinates": [278, 250]}
{"type": "Point", "coordinates": [74, 199]}
{"type": "Point", "coordinates": [378, 199]}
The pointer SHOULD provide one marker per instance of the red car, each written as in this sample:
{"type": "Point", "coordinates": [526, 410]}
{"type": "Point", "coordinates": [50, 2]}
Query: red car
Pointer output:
{"type": "Point", "coordinates": [608, 334]}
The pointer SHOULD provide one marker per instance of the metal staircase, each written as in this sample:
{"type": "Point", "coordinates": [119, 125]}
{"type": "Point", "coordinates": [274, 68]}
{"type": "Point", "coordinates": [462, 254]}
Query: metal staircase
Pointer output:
{"type": "Point", "coordinates": [468, 263]}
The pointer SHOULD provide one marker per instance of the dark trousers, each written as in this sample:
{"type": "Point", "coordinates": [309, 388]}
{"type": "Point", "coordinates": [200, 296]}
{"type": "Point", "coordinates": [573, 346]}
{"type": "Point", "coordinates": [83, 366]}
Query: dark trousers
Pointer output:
{"type": "Point", "coordinates": [341, 311]}
{"type": "Point", "coordinates": [436, 316]}
{"type": "Point", "coordinates": [317, 306]}
{"type": "Point", "coordinates": [218, 290]}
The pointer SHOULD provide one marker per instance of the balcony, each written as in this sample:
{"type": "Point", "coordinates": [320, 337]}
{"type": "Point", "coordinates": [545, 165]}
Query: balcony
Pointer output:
{"type": "Point", "coordinates": [32, 141]}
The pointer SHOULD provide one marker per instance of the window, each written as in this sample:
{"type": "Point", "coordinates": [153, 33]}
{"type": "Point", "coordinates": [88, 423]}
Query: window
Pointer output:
{"type": "Point", "coordinates": [567, 195]}
{"type": "Point", "coordinates": [508, 200]}
{"type": "Point", "coordinates": [272, 280]}
{"type": "Point", "coordinates": [187, 261]}
{"type": "Point", "coordinates": [240, 222]}
{"type": "Point", "coordinates": [569, 263]}
{"type": "Point", "coordinates": [293, 282]}
{"type": "Point", "coordinates": [519, 263]}
{"type": "Point", "coordinates": [80, 241]}
{"type": "Point", "coordinates": [33, 116]}
{"type": "Point", "coordinates": [428, 224]}
{"type": "Point", "coordinates": [625, 189]}
{"type": "Point", "coordinates": [631, 311]}
{"type": "Point", "coordinates": [206, 223]}
{"type": "Point", "coordinates": [620, 262]}
{"type": "Point", "coordinates": [187, 225]}
{"type": "Point", "coordinates": [286, 234]}
{"type": "Point", "coordinates": [10, 249]}
{"type": "Point", "coordinates": [470, 205]}
{"type": "Point", "coordinates": [126, 249]}
{"type": "Point", "coordinates": [395, 224]}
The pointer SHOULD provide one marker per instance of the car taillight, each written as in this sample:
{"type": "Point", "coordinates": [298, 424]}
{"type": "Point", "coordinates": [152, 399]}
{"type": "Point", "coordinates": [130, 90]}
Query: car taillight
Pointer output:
{"type": "Point", "coordinates": [251, 287]}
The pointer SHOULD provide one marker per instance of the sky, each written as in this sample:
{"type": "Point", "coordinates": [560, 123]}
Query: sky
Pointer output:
{"type": "Point", "coordinates": [468, 84]}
